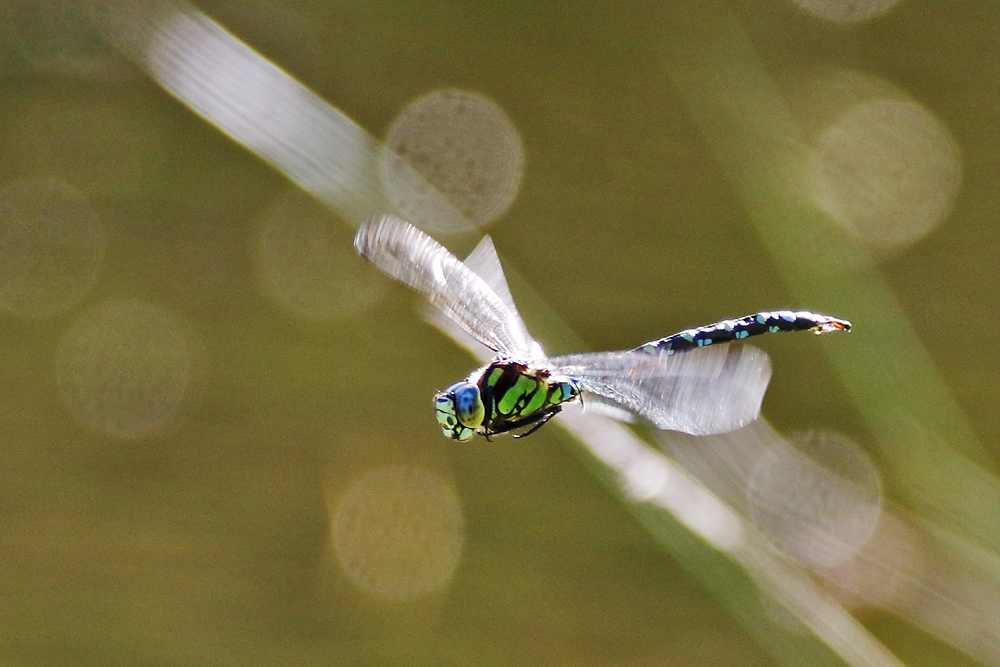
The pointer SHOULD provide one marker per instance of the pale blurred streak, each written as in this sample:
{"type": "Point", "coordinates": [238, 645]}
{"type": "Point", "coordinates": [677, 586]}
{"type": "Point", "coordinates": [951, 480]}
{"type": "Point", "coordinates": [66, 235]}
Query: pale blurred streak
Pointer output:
{"type": "Point", "coordinates": [819, 501]}
{"type": "Point", "coordinates": [817, 497]}
{"type": "Point", "coordinates": [647, 476]}
{"type": "Point", "coordinates": [929, 451]}
{"type": "Point", "coordinates": [260, 106]}
{"type": "Point", "coordinates": [913, 569]}
{"type": "Point", "coordinates": [906, 566]}
{"type": "Point", "coordinates": [846, 11]}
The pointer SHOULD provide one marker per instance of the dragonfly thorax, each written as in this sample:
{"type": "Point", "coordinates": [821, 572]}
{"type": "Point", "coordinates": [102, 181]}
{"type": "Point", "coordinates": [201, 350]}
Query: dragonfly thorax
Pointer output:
{"type": "Point", "coordinates": [504, 396]}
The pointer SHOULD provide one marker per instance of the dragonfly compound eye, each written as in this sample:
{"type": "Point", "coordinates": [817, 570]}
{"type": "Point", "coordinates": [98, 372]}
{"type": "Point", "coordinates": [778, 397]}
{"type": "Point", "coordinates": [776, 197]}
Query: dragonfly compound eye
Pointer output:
{"type": "Point", "coordinates": [468, 404]}
{"type": "Point", "coordinates": [459, 410]}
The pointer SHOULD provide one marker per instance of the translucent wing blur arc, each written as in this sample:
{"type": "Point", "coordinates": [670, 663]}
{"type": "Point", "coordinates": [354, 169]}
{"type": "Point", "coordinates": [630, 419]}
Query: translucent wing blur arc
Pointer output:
{"type": "Point", "coordinates": [411, 257]}
{"type": "Point", "coordinates": [702, 392]}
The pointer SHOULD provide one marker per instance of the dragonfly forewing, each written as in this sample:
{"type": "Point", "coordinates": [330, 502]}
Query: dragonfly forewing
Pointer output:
{"type": "Point", "coordinates": [485, 263]}
{"type": "Point", "coordinates": [417, 260]}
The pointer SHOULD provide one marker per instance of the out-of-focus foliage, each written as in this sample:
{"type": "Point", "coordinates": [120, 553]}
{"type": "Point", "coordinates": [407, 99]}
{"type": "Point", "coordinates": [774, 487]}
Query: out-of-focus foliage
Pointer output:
{"type": "Point", "coordinates": [217, 432]}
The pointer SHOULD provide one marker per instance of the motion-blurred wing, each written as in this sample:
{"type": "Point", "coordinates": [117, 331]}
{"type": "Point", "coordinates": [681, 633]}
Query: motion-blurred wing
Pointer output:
{"type": "Point", "coordinates": [702, 392]}
{"type": "Point", "coordinates": [485, 262]}
{"type": "Point", "coordinates": [411, 257]}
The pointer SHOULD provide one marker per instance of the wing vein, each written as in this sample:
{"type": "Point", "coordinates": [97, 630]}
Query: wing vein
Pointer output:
{"type": "Point", "coordinates": [415, 259]}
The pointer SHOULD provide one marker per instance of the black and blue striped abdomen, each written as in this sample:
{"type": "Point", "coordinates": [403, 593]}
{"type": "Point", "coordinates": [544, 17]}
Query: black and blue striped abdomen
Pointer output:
{"type": "Point", "coordinates": [744, 327]}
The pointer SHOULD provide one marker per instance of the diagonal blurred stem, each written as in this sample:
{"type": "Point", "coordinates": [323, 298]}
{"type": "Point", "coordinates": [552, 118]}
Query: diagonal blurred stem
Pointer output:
{"type": "Point", "coordinates": [919, 427]}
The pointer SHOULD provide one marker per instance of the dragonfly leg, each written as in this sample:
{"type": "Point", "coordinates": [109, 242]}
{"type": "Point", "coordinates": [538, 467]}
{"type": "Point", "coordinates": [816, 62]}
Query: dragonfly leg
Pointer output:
{"type": "Point", "coordinates": [541, 422]}
{"type": "Point", "coordinates": [536, 421]}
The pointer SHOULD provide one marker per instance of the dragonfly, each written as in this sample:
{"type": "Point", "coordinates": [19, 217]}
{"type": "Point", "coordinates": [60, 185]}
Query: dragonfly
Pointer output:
{"type": "Point", "coordinates": [686, 382]}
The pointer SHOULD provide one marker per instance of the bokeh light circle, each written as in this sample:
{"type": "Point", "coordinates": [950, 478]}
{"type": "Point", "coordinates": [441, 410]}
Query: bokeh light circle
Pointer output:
{"type": "Point", "coordinates": [846, 11]}
{"type": "Point", "coordinates": [398, 532]}
{"type": "Point", "coordinates": [820, 501]}
{"type": "Point", "coordinates": [51, 247]}
{"type": "Point", "coordinates": [125, 367]}
{"type": "Point", "coordinates": [888, 171]}
{"type": "Point", "coordinates": [59, 37]}
{"type": "Point", "coordinates": [464, 147]}
{"type": "Point", "coordinates": [306, 261]}
{"type": "Point", "coordinates": [892, 562]}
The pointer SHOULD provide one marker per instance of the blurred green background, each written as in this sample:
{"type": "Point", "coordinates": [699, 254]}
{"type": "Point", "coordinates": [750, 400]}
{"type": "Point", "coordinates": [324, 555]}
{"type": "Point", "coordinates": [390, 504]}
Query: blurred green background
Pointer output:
{"type": "Point", "coordinates": [217, 439]}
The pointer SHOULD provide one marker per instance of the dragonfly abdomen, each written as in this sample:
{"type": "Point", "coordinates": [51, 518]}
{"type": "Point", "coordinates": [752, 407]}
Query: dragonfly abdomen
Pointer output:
{"type": "Point", "coordinates": [752, 325]}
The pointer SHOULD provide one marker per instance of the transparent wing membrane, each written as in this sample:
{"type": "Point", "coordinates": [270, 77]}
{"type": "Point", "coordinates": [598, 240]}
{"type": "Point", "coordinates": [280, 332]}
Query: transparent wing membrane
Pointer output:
{"type": "Point", "coordinates": [702, 392]}
{"type": "Point", "coordinates": [485, 263]}
{"type": "Point", "coordinates": [411, 257]}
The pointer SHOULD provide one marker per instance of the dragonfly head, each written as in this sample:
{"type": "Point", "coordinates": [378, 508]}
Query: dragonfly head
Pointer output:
{"type": "Point", "coordinates": [459, 410]}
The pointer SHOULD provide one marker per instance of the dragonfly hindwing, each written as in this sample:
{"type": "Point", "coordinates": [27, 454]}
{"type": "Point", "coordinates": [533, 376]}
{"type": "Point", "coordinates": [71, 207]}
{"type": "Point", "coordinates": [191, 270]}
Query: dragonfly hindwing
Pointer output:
{"type": "Point", "coordinates": [713, 390]}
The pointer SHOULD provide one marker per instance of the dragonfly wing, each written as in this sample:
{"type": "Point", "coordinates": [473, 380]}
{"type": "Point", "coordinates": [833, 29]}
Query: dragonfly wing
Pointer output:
{"type": "Point", "coordinates": [485, 262]}
{"type": "Point", "coordinates": [599, 405]}
{"type": "Point", "coordinates": [414, 258]}
{"type": "Point", "coordinates": [702, 392]}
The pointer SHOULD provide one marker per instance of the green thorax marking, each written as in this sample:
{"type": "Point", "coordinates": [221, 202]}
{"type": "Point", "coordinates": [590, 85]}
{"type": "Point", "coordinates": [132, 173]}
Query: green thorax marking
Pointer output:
{"type": "Point", "coordinates": [515, 392]}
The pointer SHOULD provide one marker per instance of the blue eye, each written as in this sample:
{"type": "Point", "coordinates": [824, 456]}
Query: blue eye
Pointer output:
{"type": "Point", "coordinates": [459, 410]}
{"type": "Point", "coordinates": [468, 406]}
